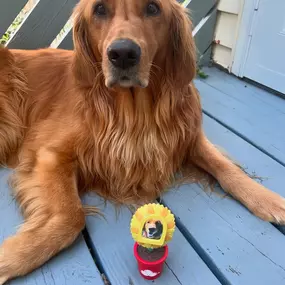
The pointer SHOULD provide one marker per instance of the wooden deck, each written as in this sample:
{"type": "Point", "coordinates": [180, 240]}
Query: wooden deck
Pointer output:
{"type": "Point", "coordinates": [217, 240]}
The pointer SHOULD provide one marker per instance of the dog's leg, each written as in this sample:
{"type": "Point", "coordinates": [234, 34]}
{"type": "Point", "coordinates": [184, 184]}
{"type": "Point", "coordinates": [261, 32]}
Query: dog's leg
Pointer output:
{"type": "Point", "coordinates": [47, 192]}
{"type": "Point", "coordinates": [264, 203]}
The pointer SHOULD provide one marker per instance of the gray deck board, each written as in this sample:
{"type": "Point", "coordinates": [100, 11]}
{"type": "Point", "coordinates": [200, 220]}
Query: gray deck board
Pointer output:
{"type": "Point", "coordinates": [204, 36]}
{"type": "Point", "coordinates": [240, 247]}
{"type": "Point", "coordinates": [250, 111]}
{"type": "Point", "coordinates": [114, 246]}
{"type": "Point", "coordinates": [72, 266]}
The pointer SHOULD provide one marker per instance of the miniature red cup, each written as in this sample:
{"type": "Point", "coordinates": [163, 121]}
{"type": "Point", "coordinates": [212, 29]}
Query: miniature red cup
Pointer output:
{"type": "Point", "coordinates": [150, 270]}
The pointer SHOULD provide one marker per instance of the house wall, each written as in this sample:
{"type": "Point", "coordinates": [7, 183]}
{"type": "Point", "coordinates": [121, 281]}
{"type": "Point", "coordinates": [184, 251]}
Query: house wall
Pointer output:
{"type": "Point", "coordinates": [228, 19]}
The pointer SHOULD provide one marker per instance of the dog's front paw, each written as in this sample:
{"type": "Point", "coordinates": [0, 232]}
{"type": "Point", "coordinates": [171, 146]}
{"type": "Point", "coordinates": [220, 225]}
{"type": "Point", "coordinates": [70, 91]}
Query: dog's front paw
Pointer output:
{"type": "Point", "coordinates": [3, 268]}
{"type": "Point", "coordinates": [3, 279]}
{"type": "Point", "coordinates": [269, 206]}
{"type": "Point", "coordinates": [3, 275]}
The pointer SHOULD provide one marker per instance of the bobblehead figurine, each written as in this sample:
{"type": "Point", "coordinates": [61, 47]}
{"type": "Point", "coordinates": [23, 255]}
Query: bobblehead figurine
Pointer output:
{"type": "Point", "coordinates": [152, 227]}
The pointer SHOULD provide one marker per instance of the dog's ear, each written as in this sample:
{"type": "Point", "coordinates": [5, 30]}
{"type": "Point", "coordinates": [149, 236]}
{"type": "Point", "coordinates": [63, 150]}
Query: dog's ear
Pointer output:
{"type": "Point", "coordinates": [181, 59]}
{"type": "Point", "coordinates": [85, 61]}
{"type": "Point", "coordinates": [158, 225]}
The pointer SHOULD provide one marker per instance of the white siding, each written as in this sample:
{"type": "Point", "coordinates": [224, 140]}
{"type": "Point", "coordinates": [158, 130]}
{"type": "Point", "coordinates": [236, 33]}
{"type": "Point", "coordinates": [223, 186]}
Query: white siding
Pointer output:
{"type": "Point", "coordinates": [230, 6]}
{"type": "Point", "coordinates": [229, 12]}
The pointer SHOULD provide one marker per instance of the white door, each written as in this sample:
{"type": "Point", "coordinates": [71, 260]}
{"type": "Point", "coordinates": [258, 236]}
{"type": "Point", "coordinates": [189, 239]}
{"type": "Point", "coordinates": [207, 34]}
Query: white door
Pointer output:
{"type": "Point", "coordinates": [265, 61]}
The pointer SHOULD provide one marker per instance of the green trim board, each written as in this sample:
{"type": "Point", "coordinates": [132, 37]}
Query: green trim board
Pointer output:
{"type": "Point", "coordinates": [204, 34]}
{"type": "Point", "coordinates": [199, 9]}
{"type": "Point", "coordinates": [8, 12]}
{"type": "Point", "coordinates": [43, 24]}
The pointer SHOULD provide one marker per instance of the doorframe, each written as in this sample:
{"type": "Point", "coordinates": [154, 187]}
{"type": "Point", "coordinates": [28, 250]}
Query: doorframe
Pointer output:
{"type": "Point", "coordinates": [243, 40]}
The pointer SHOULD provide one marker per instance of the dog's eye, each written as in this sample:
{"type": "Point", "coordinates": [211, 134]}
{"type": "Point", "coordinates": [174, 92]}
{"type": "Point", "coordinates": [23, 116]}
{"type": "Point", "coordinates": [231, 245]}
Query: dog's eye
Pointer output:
{"type": "Point", "coordinates": [152, 9]}
{"type": "Point", "coordinates": [100, 10]}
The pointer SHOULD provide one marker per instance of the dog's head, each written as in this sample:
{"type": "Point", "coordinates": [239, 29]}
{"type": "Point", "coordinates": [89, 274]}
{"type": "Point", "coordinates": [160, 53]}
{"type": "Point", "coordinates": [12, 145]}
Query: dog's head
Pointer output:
{"type": "Point", "coordinates": [128, 41]}
{"type": "Point", "coordinates": [153, 229]}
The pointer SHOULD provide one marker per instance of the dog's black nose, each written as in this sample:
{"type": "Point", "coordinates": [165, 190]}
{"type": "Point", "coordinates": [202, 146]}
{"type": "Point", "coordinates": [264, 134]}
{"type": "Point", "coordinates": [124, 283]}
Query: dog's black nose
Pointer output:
{"type": "Point", "coordinates": [124, 53]}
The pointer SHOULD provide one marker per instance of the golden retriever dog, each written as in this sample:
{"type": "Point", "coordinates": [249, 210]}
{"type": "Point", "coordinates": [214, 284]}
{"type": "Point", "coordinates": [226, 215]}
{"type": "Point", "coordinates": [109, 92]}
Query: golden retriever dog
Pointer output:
{"type": "Point", "coordinates": [119, 115]}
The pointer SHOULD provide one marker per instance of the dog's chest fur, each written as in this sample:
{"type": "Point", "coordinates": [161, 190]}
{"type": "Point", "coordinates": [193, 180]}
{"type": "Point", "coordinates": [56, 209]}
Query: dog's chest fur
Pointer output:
{"type": "Point", "coordinates": [136, 151]}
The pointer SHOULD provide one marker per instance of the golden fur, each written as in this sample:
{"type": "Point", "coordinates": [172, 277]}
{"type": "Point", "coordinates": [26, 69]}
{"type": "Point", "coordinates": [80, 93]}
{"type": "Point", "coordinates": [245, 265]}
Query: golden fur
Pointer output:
{"type": "Point", "coordinates": [65, 132]}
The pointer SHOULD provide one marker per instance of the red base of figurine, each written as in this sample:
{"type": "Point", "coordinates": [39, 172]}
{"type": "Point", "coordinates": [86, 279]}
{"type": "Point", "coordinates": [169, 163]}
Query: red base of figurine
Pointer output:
{"type": "Point", "coordinates": [150, 270]}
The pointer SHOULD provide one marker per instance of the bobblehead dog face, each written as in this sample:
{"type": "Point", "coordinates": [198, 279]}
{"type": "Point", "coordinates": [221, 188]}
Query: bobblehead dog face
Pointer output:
{"type": "Point", "coordinates": [152, 229]}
